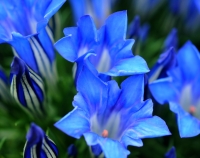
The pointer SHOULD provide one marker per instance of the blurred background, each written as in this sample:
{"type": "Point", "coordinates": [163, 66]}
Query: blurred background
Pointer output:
{"type": "Point", "coordinates": [154, 20]}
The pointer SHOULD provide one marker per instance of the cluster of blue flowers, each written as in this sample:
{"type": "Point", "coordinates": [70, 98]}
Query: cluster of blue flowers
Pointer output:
{"type": "Point", "coordinates": [110, 116]}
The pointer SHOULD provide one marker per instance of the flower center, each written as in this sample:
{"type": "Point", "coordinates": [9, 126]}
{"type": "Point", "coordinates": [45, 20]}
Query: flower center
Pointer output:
{"type": "Point", "coordinates": [192, 109]}
{"type": "Point", "coordinates": [105, 133]}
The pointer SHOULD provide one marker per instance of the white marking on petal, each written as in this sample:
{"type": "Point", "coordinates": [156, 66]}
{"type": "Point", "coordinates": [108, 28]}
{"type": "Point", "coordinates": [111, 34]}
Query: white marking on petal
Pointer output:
{"type": "Point", "coordinates": [37, 79]}
{"type": "Point", "coordinates": [186, 98]}
{"type": "Point", "coordinates": [42, 60]}
{"type": "Point", "coordinates": [49, 152]}
{"type": "Point", "coordinates": [30, 96]}
{"type": "Point", "coordinates": [104, 62]}
{"type": "Point", "coordinates": [13, 89]}
{"type": "Point", "coordinates": [50, 33]}
{"type": "Point", "coordinates": [14, 52]}
{"type": "Point", "coordinates": [33, 152]}
{"type": "Point", "coordinates": [155, 74]}
{"type": "Point", "coordinates": [82, 51]}
{"type": "Point", "coordinates": [111, 124]}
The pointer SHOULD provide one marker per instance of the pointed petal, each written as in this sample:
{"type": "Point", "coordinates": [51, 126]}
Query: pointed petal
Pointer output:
{"type": "Point", "coordinates": [87, 30]}
{"type": "Point", "coordinates": [24, 51]}
{"type": "Point", "coordinates": [171, 40]}
{"type": "Point", "coordinates": [94, 91]}
{"type": "Point", "coordinates": [134, 27]}
{"type": "Point", "coordinates": [53, 7]}
{"type": "Point", "coordinates": [189, 61]}
{"type": "Point", "coordinates": [171, 153]}
{"type": "Point", "coordinates": [81, 103]}
{"type": "Point", "coordinates": [137, 111]}
{"type": "Point", "coordinates": [129, 66]}
{"type": "Point", "coordinates": [149, 128]}
{"type": "Point", "coordinates": [188, 125]}
{"type": "Point", "coordinates": [166, 61]}
{"type": "Point", "coordinates": [123, 49]}
{"type": "Point", "coordinates": [127, 140]}
{"type": "Point", "coordinates": [78, 8]}
{"type": "Point", "coordinates": [47, 44]}
{"type": "Point", "coordinates": [164, 91]}
{"type": "Point", "coordinates": [74, 123]}
{"type": "Point", "coordinates": [67, 49]}
{"type": "Point", "coordinates": [116, 26]}
{"type": "Point", "coordinates": [73, 32]}
{"type": "Point", "coordinates": [129, 86]}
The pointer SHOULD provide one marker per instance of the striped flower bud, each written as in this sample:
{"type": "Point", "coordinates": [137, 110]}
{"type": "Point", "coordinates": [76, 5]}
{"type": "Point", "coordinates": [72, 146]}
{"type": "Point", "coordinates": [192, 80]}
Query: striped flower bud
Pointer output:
{"type": "Point", "coordinates": [26, 87]}
{"type": "Point", "coordinates": [39, 145]}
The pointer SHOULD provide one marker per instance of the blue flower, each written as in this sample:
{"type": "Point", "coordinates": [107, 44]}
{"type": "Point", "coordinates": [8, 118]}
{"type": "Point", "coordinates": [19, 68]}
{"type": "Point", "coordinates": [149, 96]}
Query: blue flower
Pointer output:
{"type": "Point", "coordinates": [146, 7]}
{"type": "Point", "coordinates": [181, 90]}
{"type": "Point", "coordinates": [98, 9]}
{"type": "Point", "coordinates": [113, 54]}
{"type": "Point", "coordinates": [72, 151]}
{"type": "Point", "coordinates": [111, 117]}
{"type": "Point", "coordinates": [24, 26]}
{"type": "Point", "coordinates": [137, 31]}
{"type": "Point", "coordinates": [39, 145]}
{"type": "Point", "coordinates": [188, 10]}
{"type": "Point", "coordinates": [4, 88]}
{"type": "Point", "coordinates": [171, 153]}
{"type": "Point", "coordinates": [27, 87]}
{"type": "Point", "coordinates": [171, 40]}
{"type": "Point", "coordinates": [167, 59]}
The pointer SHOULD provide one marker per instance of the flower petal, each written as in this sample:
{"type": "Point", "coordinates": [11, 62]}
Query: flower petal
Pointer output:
{"type": "Point", "coordinates": [53, 7]}
{"type": "Point", "coordinates": [116, 26]}
{"type": "Point", "coordinates": [27, 87]}
{"type": "Point", "coordinates": [171, 153]}
{"type": "Point", "coordinates": [111, 148]}
{"type": "Point", "coordinates": [149, 128]}
{"type": "Point", "coordinates": [94, 91]}
{"type": "Point", "coordinates": [131, 85]}
{"type": "Point", "coordinates": [78, 8]}
{"type": "Point", "coordinates": [87, 30]}
{"type": "Point", "coordinates": [67, 49]}
{"type": "Point", "coordinates": [23, 49]}
{"type": "Point", "coordinates": [127, 140]}
{"type": "Point", "coordinates": [74, 123]}
{"type": "Point", "coordinates": [129, 66]}
{"type": "Point", "coordinates": [164, 91]}
{"type": "Point", "coordinates": [188, 125]}
{"type": "Point", "coordinates": [185, 55]}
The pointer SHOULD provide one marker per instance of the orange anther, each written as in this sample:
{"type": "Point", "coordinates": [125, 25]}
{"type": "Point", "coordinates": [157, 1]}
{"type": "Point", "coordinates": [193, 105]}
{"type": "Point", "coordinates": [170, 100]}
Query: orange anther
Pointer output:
{"type": "Point", "coordinates": [105, 133]}
{"type": "Point", "coordinates": [192, 109]}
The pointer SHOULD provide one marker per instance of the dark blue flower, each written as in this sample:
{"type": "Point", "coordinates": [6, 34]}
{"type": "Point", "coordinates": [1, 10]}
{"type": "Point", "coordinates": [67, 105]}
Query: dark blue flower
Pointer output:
{"type": "Point", "coordinates": [167, 59]}
{"type": "Point", "coordinates": [136, 31]}
{"type": "Point", "coordinates": [39, 145]}
{"type": "Point", "coordinates": [27, 87]}
{"type": "Point", "coordinates": [146, 7]}
{"type": "Point", "coordinates": [188, 10]}
{"type": "Point", "coordinates": [171, 153]}
{"type": "Point", "coordinates": [4, 86]}
{"type": "Point", "coordinates": [23, 24]}
{"type": "Point", "coordinates": [72, 151]}
{"type": "Point", "coordinates": [111, 117]}
{"type": "Point", "coordinates": [171, 40]}
{"type": "Point", "coordinates": [98, 9]}
{"type": "Point", "coordinates": [113, 54]}
{"type": "Point", "coordinates": [182, 90]}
